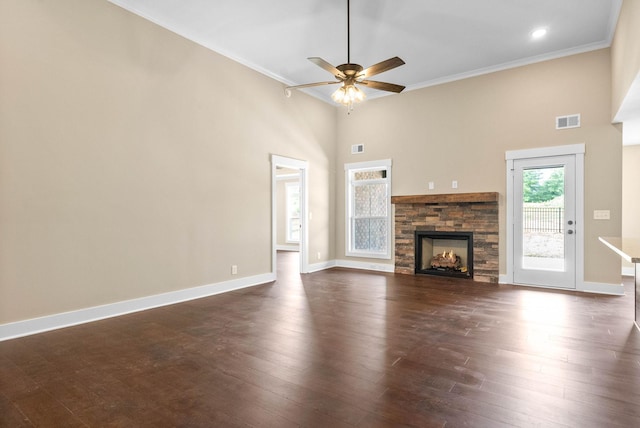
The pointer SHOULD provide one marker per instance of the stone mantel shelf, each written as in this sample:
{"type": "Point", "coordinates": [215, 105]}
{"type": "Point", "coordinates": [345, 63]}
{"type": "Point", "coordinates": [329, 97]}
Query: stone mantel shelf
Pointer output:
{"type": "Point", "coordinates": [447, 198]}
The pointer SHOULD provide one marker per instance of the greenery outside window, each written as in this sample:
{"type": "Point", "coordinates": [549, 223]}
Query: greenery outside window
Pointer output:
{"type": "Point", "coordinates": [368, 202]}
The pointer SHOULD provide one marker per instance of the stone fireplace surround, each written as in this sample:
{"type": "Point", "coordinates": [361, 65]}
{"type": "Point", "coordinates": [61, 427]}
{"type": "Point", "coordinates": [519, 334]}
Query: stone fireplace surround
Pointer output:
{"type": "Point", "coordinates": [464, 212]}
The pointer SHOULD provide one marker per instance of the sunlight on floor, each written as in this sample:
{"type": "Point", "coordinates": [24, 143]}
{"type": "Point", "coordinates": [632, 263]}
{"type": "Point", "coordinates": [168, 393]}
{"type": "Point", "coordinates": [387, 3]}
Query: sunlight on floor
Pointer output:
{"type": "Point", "coordinates": [544, 315]}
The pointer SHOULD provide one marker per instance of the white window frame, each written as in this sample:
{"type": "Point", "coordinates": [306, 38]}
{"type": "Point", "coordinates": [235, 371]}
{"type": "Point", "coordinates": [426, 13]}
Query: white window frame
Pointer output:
{"type": "Point", "coordinates": [350, 169]}
{"type": "Point", "coordinates": [289, 188]}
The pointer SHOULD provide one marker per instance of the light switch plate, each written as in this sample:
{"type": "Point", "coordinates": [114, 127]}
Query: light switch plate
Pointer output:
{"type": "Point", "coordinates": [601, 215]}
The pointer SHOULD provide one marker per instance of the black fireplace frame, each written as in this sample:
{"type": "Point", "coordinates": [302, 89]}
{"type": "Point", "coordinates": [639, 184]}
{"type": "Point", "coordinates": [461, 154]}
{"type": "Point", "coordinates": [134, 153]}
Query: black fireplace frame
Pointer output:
{"type": "Point", "coordinates": [432, 234]}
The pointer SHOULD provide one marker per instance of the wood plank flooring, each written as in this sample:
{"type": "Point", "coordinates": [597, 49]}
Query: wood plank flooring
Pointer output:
{"type": "Point", "coordinates": [338, 348]}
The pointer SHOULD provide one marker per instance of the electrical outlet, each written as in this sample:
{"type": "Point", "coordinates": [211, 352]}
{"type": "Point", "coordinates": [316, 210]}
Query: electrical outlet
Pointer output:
{"type": "Point", "coordinates": [454, 184]}
{"type": "Point", "coordinates": [234, 269]}
{"type": "Point", "coordinates": [601, 215]}
{"type": "Point", "coordinates": [432, 185]}
{"type": "Point", "coordinates": [318, 255]}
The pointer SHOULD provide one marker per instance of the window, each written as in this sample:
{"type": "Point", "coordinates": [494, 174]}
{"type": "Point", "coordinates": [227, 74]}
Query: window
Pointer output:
{"type": "Point", "coordinates": [368, 189]}
{"type": "Point", "coordinates": [293, 212]}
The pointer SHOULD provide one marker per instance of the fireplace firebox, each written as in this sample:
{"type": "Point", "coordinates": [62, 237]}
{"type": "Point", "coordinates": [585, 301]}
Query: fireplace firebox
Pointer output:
{"type": "Point", "coordinates": [444, 253]}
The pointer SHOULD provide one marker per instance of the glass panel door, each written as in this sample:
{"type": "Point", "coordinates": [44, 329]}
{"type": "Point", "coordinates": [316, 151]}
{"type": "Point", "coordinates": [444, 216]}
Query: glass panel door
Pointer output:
{"type": "Point", "coordinates": [544, 225]}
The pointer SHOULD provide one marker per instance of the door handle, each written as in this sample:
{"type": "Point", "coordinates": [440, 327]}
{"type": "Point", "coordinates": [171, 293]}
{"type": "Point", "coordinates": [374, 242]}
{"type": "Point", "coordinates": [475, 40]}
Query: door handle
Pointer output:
{"type": "Point", "coordinates": [570, 232]}
{"type": "Point", "coordinates": [570, 222]}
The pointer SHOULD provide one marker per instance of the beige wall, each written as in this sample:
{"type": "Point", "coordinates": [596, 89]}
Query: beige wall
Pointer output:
{"type": "Point", "coordinates": [625, 52]}
{"type": "Point", "coordinates": [625, 59]}
{"type": "Point", "coordinates": [630, 200]}
{"type": "Point", "coordinates": [461, 131]}
{"type": "Point", "coordinates": [120, 146]}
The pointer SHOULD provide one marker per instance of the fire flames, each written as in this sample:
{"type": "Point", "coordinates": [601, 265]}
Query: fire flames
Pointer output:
{"type": "Point", "coordinates": [446, 260]}
{"type": "Point", "coordinates": [449, 255]}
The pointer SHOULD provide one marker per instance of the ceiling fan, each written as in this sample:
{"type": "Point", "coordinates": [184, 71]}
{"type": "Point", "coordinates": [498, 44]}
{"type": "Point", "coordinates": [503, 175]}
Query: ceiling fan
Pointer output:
{"type": "Point", "coordinates": [350, 75]}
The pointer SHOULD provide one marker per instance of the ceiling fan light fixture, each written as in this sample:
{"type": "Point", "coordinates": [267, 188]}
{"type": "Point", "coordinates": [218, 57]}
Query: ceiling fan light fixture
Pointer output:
{"type": "Point", "coordinates": [356, 94]}
{"type": "Point", "coordinates": [348, 94]}
{"type": "Point", "coordinates": [339, 95]}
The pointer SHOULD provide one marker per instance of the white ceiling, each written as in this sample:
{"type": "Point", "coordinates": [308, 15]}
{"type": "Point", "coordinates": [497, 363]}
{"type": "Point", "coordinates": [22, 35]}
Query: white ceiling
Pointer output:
{"type": "Point", "coordinates": [440, 40]}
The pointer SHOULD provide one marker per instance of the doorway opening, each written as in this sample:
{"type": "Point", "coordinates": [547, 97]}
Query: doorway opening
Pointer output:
{"type": "Point", "coordinates": [289, 205]}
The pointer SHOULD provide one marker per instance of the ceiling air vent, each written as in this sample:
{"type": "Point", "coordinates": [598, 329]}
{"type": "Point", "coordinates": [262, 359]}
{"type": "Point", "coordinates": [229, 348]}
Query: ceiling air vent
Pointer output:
{"type": "Point", "coordinates": [357, 148]}
{"type": "Point", "coordinates": [565, 122]}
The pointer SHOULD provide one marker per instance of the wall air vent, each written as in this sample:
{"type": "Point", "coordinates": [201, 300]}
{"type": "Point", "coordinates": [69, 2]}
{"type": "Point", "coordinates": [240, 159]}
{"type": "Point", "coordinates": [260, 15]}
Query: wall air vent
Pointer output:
{"type": "Point", "coordinates": [565, 122]}
{"type": "Point", "coordinates": [357, 148]}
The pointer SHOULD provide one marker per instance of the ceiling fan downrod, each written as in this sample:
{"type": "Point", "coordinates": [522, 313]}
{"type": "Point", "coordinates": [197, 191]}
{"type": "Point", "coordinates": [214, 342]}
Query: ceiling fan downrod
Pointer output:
{"type": "Point", "coordinates": [348, 32]}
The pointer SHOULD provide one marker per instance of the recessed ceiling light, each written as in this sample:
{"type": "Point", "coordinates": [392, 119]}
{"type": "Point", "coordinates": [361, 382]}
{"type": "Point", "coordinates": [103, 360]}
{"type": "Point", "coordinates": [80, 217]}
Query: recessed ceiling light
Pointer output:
{"type": "Point", "coordinates": [538, 33]}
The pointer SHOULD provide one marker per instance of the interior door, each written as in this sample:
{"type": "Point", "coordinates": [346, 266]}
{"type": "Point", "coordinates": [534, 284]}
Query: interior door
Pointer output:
{"type": "Point", "coordinates": [544, 246]}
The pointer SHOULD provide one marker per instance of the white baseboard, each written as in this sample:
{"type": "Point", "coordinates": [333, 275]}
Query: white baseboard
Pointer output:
{"type": "Point", "coordinates": [587, 287]}
{"type": "Point", "coordinates": [378, 267]}
{"type": "Point", "coordinates": [602, 288]}
{"type": "Point", "coordinates": [282, 247]}
{"type": "Point", "coordinates": [82, 316]}
{"type": "Point", "coordinates": [316, 267]}
{"type": "Point", "coordinates": [628, 271]}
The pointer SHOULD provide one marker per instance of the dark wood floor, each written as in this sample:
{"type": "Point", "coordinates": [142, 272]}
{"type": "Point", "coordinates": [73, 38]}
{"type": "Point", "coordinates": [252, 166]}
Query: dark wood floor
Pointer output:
{"type": "Point", "coordinates": [338, 348]}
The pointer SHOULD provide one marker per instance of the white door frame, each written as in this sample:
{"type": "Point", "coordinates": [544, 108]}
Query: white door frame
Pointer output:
{"type": "Point", "coordinates": [526, 275]}
{"type": "Point", "coordinates": [575, 149]}
{"type": "Point", "coordinates": [303, 167]}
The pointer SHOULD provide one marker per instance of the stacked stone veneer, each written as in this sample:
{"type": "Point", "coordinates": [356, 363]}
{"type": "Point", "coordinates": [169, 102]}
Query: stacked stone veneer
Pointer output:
{"type": "Point", "coordinates": [481, 218]}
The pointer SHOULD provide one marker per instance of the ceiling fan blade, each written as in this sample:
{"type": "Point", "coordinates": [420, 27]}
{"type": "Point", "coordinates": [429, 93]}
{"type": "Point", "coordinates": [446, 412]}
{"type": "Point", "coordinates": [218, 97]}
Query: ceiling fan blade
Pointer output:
{"type": "Point", "coordinates": [308, 85]}
{"type": "Point", "coordinates": [383, 86]}
{"type": "Point", "coordinates": [327, 66]}
{"type": "Point", "coordinates": [383, 66]}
